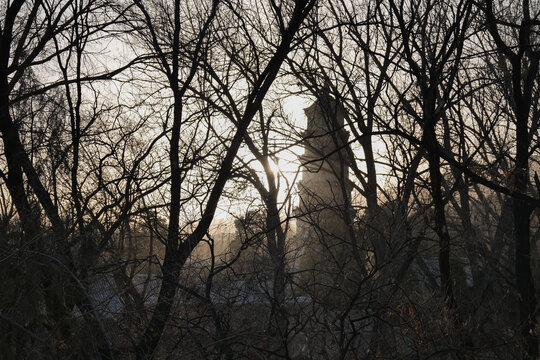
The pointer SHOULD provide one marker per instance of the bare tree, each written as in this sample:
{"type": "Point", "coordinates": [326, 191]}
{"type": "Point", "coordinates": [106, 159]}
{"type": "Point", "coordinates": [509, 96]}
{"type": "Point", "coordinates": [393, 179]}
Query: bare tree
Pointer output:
{"type": "Point", "coordinates": [290, 18]}
{"type": "Point", "coordinates": [515, 39]}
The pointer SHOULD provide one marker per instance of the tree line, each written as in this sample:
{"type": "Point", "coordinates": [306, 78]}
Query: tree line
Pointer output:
{"type": "Point", "coordinates": [128, 125]}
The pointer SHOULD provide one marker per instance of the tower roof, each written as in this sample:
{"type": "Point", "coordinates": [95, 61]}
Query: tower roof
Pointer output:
{"type": "Point", "coordinates": [325, 114]}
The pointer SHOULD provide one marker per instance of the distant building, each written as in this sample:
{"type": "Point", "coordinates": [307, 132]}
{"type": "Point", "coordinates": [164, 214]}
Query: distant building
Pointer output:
{"type": "Point", "coordinates": [324, 212]}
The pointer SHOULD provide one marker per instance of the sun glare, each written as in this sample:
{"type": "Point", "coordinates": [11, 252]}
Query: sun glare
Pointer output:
{"type": "Point", "coordinates": [274, 164]}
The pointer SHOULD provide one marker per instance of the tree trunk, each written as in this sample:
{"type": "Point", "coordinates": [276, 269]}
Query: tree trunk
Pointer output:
{"type": "Point", "coordinates": [521, 211]}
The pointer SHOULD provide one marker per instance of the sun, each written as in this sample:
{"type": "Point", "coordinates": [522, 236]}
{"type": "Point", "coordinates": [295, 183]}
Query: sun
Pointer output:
{"type": "Point", "coordinates": [274, 165]}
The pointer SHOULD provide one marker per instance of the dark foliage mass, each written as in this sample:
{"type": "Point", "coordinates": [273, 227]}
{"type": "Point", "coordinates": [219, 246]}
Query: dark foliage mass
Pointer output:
{"type": "Point", "coordinates": [276, 179]}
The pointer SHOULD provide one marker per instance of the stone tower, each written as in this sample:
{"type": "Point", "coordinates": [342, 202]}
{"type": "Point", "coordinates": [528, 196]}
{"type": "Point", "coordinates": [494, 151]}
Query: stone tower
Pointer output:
{"type": "Point", "coordinates": [324, 211]}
